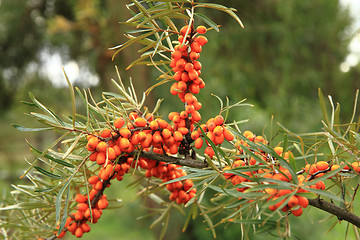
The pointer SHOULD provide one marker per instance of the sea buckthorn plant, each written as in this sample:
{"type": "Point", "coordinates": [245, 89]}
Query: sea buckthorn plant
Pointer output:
{"type": "Point", "coordinates": [181, 158]}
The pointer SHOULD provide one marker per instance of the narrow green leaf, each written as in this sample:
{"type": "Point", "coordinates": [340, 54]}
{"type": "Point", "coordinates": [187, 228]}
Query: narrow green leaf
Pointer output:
{"type": "Point", "coordinates": [47, 173]}
{"type": "Point", "coordinates": [45, 109]}
{"type": "Point", "coordinates": [208, 21]}
{"type": "Point", "coordinates": [163, 13]}
{"type": "Point", "coordinates": [39, 153]}
{"type": "Point", "coordinates": [323, 107]}
{"type": "Point", "coordinates": [59, 198]}
{"type": "Point", "coordinates": [25, 129]}
{"type": "Point", "coordinates": [130, 42]}
{"type": "Point", "coordinates": [208, 220]}
{"type": "Point", "coordinates": [229, 11]}
{"type": "Point", "coordinates": [72, 94]}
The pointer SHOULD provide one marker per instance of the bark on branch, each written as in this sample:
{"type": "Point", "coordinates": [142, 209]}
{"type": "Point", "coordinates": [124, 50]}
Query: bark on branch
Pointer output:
{"type": "Point", "coordinates": [341, 213]}
{"type": "Point", "coordinates": [187, 161]}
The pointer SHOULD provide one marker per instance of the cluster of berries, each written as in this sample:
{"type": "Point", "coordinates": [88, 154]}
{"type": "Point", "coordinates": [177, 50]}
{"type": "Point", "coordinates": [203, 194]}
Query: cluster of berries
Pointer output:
{"type": "Point", "coordinates": [282, 197]}
{"type": "Point", "coordinates": [184, 62]}
{"type": "Point", "coordinates": [181, 191]}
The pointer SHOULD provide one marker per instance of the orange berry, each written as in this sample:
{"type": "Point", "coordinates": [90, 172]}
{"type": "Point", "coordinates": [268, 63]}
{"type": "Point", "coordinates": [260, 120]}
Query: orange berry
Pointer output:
{"type": "Point", "coordinates": [249, 135]}
{"type": "Point", "coordinates": [183, 130]}
{"type": "Point", "coordinates": [80, 198]}
{"type": "Point", "coordinates": [101, 147]}
{"type": "Point", "coordinates": [178, 136]}
{"type": "Point", "coordinates": [196, 47]}
{"type": "Point", "coordinates": [124, 132]}
{"type": "Point", "coordinates": [181, 85]}
{"type": "Point", "coordinates": [188, 67]}
{"type": "Point", "coordinates": [322, 165]}
{"type": "Point", "coordinates": [166, 133]}
{"type": "Point", "coordinates": [98, 186]}
{"type": "Point", "coordinates": [228, 135]}
{"type": "Point", "coordinates": [198, 143]}
{"type": "Point", "coordinates": [93, 179]}
{"type": "Point", "coordinates": [195, 116]}
{"type": "Point", "coordinates": [219, 120]}
{"type": "Point", "coordinates": [278, 150]}
{"type": "Point", "coordinates": [140, 122]}
{"type": "Point", "coordinates": [293, 201]}
{"type": "Point", "coordinates": [201, 40]}
{"type": "Point", "coordinates": [142, 136]}
{"type": "Point", "coordinates": [92, 143]}
{"type": "Point", "coordinates": [119, 122]}
{"type": "Point", "coordinates": [72, 227]}
{"type": "Point", "coordinates": [124, 144]}
{"type": "Point", "coordinates": [184, 29]}
{"type": "Point", "coordinates": [297, 212]}
{"type": "Point", "coordinates": [201, 29]}
{"type": "Point", "coordinates": [79, 232]}
{"type": "Point", "coordinates": [78, 215]}
{"type": "Point", "coordinates": [176, 55]}
{"type": "Point", "coordinates": [105, 133]}
{"type": "Point", "coordinates": [303, 201]}
{"type": "Point", "coordinates": [194, 88]}
{"type": "Point", "coordinates": [162, 123]}
{"type": "Point", "coordinates": [82, 207]}
{"type": "Point", "coordinates": [209, 151]}
{"type": "Point", "coordinates": [218, 131]}
{"type": "Point", "coordinates": [195, 135]}
{"type": "Point", "coordinates": [184, 114]}
{"type": "Point", "coordinates": [355, 166]}
{"type": "Point", "coordinates": [102, 203]}
{"type": "Point", "coordinates": [194, 55]}
{"type": "Point", "coordinates": [101, 158]}
{"type": "Point", "coordinates": [171, 116]}
{"type": "Point", "coordinates": [85, 227]}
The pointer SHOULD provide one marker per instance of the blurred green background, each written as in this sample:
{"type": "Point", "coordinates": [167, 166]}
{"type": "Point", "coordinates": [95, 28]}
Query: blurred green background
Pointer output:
{"type": "Point", "coordinates": [287, 51]}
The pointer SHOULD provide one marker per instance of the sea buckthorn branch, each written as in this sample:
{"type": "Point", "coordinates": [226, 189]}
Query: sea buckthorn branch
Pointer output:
{"type": "Point", "coordinates": [340, 213]}
{"type": "Point", "coordinates": [188, 161]}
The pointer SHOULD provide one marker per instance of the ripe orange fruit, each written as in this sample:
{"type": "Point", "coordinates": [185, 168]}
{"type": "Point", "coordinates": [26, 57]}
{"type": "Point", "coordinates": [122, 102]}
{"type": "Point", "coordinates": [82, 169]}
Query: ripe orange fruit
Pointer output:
{"type": "Point", "coordinates": [82, 207]}
{"type": "Point", "coordinates": [228, 135]}
{"type": "Point", "coordinates": [79, 232]}
{"type": "Point", "coordinates": [166, 133]}
{"type": "Point", "coordinates": [303, 201]}
{"type": "Point", "coordinates": [101, 158]}
{"type": "Point", "coordinates": [105, 133]}
{"type": "Point", "coordinates": [92, 143]}
{"type": "Point", "coordinates": [322, 165]}
{"type": "Point", "coordinates": [101, 147]}
{"type": "Point", "coordinates": [72, 227]}
{"type": "Point", "coordinates": [119, 122]}
{"type": "Point", "coordinates": [178, 136]}
{"type": "Point", "coordinates": [293, 201]}
{"type": "Point", "coordinates": [194, 55]}
{"type": "Point", "coordinates": [85, 227]}
{"type": "Point", "coordinates": [182, 85]}
{"type": "Point", "coordinates": [176, 55]}
{"type": "Point", "coordinates": [124, 132]}
{"type": "Point", "coordinates": [196, 47]}
{"type": "Point", "coordinates": [93, 179]}
{"type": "Point", "coordinates": [184, 29]}
{"type": "Point", "coordinates": [201, 40]}
{"type": "Point", "coordinates": [201, 29]}
{"type": "Point", "coordinates": [297, 212]}
{"type": "Point", "coordinates": [198, 143]}
{"type": "Point", "coordinates": [140, 122]}
{"type": "Point", "coordinates": [209, 151]}
{"type": "Point", "coordinates": [80, 198]}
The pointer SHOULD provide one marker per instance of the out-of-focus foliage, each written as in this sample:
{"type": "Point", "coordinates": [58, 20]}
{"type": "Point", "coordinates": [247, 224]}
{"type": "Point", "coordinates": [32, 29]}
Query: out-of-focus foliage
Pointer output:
{"type": "Point", "coordinates": [287, 50]}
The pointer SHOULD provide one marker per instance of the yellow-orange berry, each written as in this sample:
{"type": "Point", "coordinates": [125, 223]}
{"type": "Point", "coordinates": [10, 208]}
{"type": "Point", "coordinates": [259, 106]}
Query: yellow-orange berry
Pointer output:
{"type": "Point", "coordinates": [119, 122]}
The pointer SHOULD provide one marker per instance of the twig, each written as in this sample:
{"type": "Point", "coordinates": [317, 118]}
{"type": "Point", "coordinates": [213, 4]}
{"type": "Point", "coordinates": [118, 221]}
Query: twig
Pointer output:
{"type": "Point", "coordinates": [187, 161]}
{"type": "Point", "coordinates": [341, 213]}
